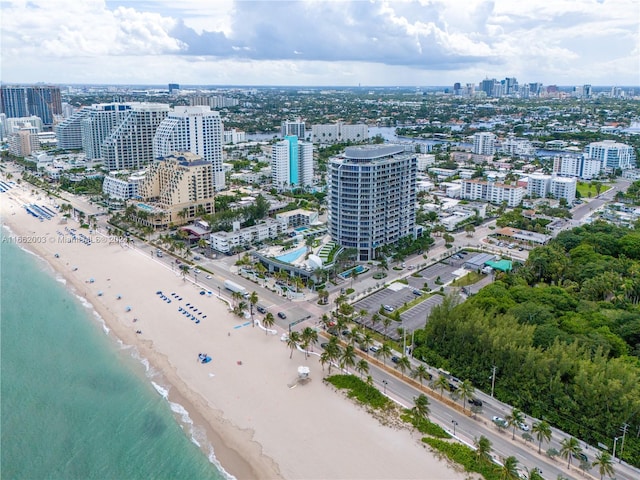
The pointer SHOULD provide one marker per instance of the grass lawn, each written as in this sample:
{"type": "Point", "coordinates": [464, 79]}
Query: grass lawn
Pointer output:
{"type": "Point", "coordinates": [584, 189]}
{"type": "Point", "coordinates": [469, 279]}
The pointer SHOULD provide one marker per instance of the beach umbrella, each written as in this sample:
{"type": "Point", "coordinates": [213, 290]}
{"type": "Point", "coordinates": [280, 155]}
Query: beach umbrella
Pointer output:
{"type": "Point", "coordinates": [119, 297]}
{"type": "Point", "coordinates": [128, 309]}
{"type": "Point", "coordinates": [100, 293]}
{"type": "Point", "coordinates": [91, 280]}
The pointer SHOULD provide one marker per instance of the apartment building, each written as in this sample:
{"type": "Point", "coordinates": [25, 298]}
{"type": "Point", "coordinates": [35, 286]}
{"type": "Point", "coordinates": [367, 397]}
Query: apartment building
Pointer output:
{"type": "Point", "coordinates": [339, 132]}
{"type": "Point", "coordinates": [577, 166]}
{"type": "Point", "coordinates": [484, 143]}
{"type": "Point", "coordinates": [613, 155]}
{"type": "Point", "coordinates": [496, 193]}
{"type": "Point", "coordinates": [372, 197]}
{"type": "Point", "coordinates": [226, 242]}
{"type": "Point", "coordinates": [292, 164]}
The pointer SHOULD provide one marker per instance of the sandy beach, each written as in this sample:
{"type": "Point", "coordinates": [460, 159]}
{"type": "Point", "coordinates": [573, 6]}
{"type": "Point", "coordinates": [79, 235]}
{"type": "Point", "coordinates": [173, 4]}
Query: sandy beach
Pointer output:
{"type": "Point", "coordinates": [260, 422]}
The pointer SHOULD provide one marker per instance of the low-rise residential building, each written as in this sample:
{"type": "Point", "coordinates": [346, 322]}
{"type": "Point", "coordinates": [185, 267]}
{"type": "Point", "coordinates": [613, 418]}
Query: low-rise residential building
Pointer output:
{"type": "Point", "coordinates": [297, 218]}
{"type": "Point", "coordinates": [496, 193]}
{"type": "Point", "coordinates": [122, 186]}
{"type": "Point", "coordinates": [226, 242]}
{"type": "Point", "coordinates": [545, 186]}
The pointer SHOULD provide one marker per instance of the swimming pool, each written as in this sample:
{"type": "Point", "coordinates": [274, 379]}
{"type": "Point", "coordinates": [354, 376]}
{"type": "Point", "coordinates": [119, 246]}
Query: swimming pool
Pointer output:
{"type": "Point", "coordinates": [358, 269]}
{"type": "Point", "coordinates": [292, 256]}
{"type": "Point", "coordinates": [301, 229]}
{"type": "Point", "coordinates": [144, 206]}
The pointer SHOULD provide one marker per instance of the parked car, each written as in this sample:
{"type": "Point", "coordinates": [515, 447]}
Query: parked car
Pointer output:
{"type": "Point", "coordinates": [524, 427]}
{"type": "Point", "coordinates": [475, 401]}
{"type": "Point", "coordinates": [464, 253]}
{"type": "Point", "coordinates": [324, 344]}
{"type": "Point", "coordinates": [282, 315]}
{"type": "Point", "coordinates": [388, 308]}
{"type": "Point", "coordinates": [417, 292]}
{"type": "Point", "coordinates": [373, 349]}
{"type": "Point", "coordinates": [261, 309]}
{"type": "Point", "coordinates": [197, 270]}
{"type": "Point", "coordinates": [209, 277]}
{"type": "Point", "coordinates": [395, 359]}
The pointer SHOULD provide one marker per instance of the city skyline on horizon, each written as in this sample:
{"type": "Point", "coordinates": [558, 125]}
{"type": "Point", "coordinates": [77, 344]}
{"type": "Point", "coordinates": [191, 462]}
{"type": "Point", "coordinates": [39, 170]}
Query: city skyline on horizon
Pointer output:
{"type": "Point", "coordinates": [306, 43]}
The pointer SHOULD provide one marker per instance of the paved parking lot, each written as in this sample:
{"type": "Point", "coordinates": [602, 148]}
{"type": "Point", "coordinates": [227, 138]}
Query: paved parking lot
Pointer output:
{"type": "Point", "coordinates": [429, 275]}
{"type": "Point", "coordinates": [416, 316]}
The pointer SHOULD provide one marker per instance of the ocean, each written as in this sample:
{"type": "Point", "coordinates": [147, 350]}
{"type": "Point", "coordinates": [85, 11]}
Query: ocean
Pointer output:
{"type": "Point", "coordinates": [75, 403]}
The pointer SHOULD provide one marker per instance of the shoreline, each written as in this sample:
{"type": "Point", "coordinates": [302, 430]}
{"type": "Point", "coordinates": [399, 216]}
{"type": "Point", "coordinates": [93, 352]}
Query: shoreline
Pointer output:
{"type": "Point", "coordinates": [224, 438]}
{"type": "Point", "coordinates": [258, 424]}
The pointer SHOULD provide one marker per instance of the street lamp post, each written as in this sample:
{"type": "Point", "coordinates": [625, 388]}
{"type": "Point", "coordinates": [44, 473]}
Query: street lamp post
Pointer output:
{"type": "Point", "coordinates": [384, 385]}
{"type": "Point", "coordinates": [454, 427]}
{"type": "Point", "coordinates": [615, 441]}
{"type": "Point", "coordinates": [219, 294]}
{"type": "Point", "coordinates": [493, 379]}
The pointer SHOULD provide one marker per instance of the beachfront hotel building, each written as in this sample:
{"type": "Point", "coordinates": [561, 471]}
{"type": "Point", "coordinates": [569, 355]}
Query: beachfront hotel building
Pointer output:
{"type": "Point", "coordinates": [339, 133]}
{"type": "Point", "coordinates": [291, 164]}
{"type": "Point", "coordinates": [492, 192]}
{"type": "Point", "coordinates": [372, 197]}
{"type": "Point", "coordinates": [176, 189]}
{"type": "Point", "coordinates": [122, 187]}
{"type": "Point", "coordinates": [195, 129]}
{"type": "Point", "coordinates": [129, 146]}
{"type": "Point", "coordinates": [97, 124]}
{"type": "Point", "coordinates": [613, 155]}
{"type": "Point", "coordinates": [69, 131]}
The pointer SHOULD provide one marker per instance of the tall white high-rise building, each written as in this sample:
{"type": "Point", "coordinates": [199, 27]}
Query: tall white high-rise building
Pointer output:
{"type": "Point", "coordinates": [612, 154]}
{"type": "Point", "coordinates": [130, 144]}
{"type": "Point", "coordinates": [69, 132]}
{"type": "Point", "coordinates": [195, 129]}
{"type": "Point", "coordinates": [372, 197]}
{"type": "Point", "coordinates": [577, 166]}
{"type": "Point", "coordinates": [296, 128]}
{"type": "Point", "coordinates": [96, 126]}
{"type": "Point", "coordinates": [484, 143]}
{"type": "Point", "coordinates": [292, 164]}
{"type": "Point", "coordinates": [563, 187]}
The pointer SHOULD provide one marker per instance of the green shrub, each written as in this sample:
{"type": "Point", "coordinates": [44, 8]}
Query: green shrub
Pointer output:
{"type": "Point", "coordinates": [466, 457]}
{"type": "Point", "coordinates": [360, 390]}
{"type": "Point", "coordinates": [424, 425]}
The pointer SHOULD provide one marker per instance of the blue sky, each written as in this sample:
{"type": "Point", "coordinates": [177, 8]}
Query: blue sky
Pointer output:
{"type": "Point", "coordinates": [320, 42]}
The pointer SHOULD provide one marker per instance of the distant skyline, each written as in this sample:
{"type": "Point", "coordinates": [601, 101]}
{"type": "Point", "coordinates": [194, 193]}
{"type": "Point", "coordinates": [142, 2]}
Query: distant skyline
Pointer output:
{"type": "Point", "coordinates": [316, 43]}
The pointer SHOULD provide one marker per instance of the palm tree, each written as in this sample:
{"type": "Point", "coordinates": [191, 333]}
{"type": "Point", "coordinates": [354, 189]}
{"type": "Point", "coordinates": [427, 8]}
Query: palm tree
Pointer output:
{"type": "Point", "coordinates": [325, 358]}
{"type": "Point", "coordinates": [514, 420]}
{"type": "Point", "coordinates": [386, 321]}
{"type": "Point", "coordinates": [441, 384]}
{"type": "Point", "coordinates": [268, 321]}
{"type": "Point", "coordinates": [362, 367]}
{"type": "Point", "coordinates": [483, 448]}
{"type": "Point", "coordinates": [604, 463]}
{"type": "Point", "coordinates": [365, 341]}
{"type": "Point", "coordinates": [568, 448]}
{"type": "Point", "coordinates": [333, 351]}
{"type": "Point", "coordinates": [375, 318]}
{"type": "Point", "coordinates": [543, 432]}
{"type": "Point", "coordinates": [466, 391]}
{"type": "Point", "coordinates": [309, 337]}
{"type": "Point", "coordinates": [348, 357]}
{"type": "Point", "coordinates": [253, 300]}
{"type": "Point", "coordinates": [404, 364]}
{"type": "Point", "coordinates": [534, 474]}
{"type": "Point", "coordinates": [420, 373]}
{"type": "Point", "coordinates": [509, 469]}
{"type": "Point", "coordinates": [420, 408]}
{"type": "Point", "coordinates": [384, 352]}
{"type": "Point", "coordinates": [293, 341]}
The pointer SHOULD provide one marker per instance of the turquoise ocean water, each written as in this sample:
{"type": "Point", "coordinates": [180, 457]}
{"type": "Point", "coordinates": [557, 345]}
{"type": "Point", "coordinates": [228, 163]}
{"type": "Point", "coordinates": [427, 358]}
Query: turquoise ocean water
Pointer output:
{"type": "Point", "coordinates": [74, 403]}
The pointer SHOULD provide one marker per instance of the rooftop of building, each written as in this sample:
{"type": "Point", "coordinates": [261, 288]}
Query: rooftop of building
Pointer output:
{"type": "Point", "coordinates": [371, 152]}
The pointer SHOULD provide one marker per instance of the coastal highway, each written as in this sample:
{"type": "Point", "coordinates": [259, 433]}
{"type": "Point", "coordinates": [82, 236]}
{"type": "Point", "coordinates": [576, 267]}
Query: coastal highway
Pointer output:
{"type": "Point", "coordinates": [467, 429]}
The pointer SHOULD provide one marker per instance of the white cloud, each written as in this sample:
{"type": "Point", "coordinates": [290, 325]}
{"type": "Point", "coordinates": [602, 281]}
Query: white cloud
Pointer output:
{"type": "Point", "coordinates": [320, 42]}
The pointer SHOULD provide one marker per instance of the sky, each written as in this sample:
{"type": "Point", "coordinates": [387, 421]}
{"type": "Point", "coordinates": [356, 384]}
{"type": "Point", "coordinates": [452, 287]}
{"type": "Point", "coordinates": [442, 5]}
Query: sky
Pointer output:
{"type": "Point", "coordinates": [320, 42]}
